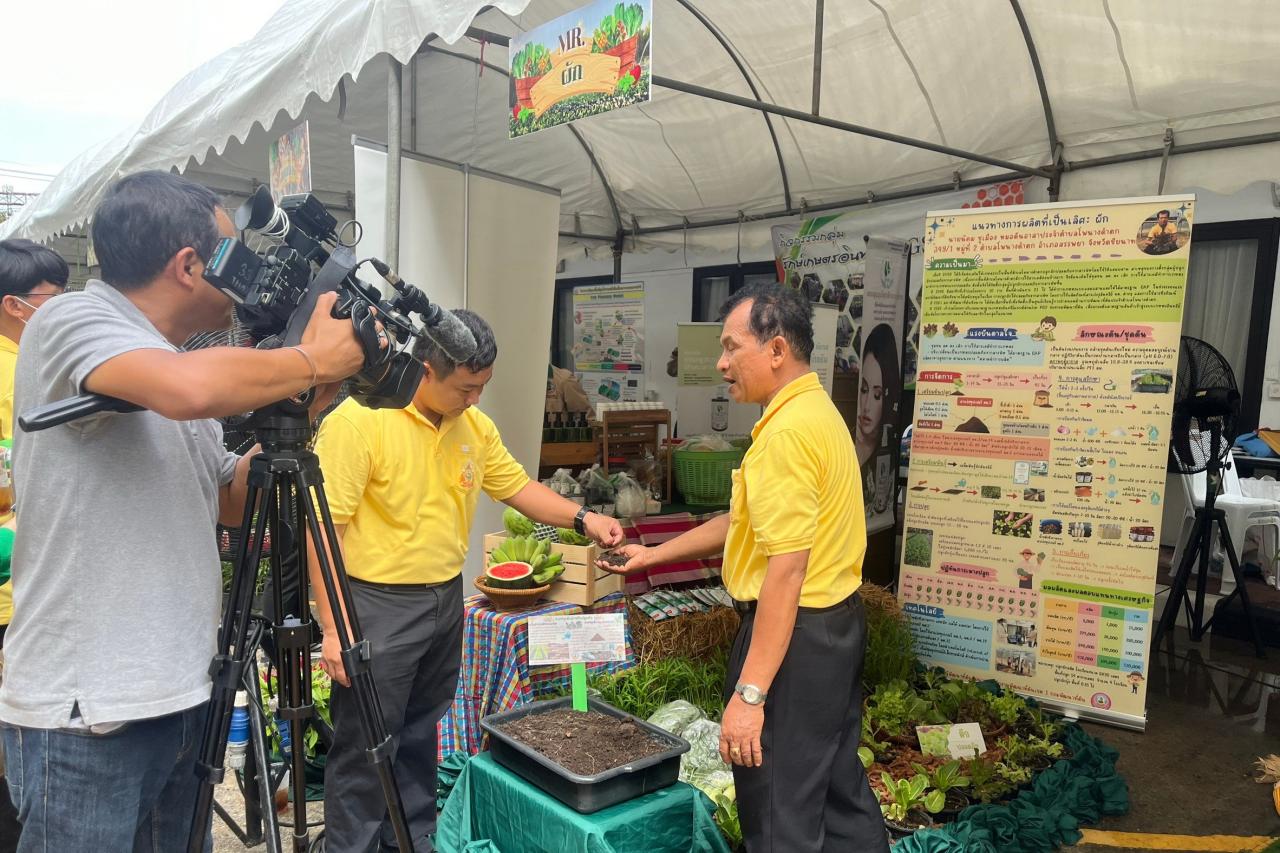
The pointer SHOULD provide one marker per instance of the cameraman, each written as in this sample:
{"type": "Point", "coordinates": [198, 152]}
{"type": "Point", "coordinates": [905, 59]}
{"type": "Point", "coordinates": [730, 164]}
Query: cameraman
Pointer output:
{"type": "Point", "coordinates": [117, 578]}
{"type": "Point", "coordinates": [403, 485]}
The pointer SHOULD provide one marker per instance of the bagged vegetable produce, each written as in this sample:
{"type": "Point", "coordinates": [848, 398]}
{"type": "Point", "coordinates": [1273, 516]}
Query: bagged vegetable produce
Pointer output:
{"type": "Point", "coordinates": [676, 716]}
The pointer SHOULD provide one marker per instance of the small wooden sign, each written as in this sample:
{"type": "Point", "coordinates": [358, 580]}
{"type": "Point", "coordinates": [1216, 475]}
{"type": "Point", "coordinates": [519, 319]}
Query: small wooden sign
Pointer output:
{"type": "Point", "coordinates": [575, 72]}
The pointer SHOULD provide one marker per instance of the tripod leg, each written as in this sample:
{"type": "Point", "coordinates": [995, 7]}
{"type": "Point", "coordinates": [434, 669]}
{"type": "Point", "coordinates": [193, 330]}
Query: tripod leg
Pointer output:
{"type": "Point", "coordinates": [1178, 591]}
{"type": "Point", "coordinates": [261, 767]}
{"type": "Point", "coordinates": [355, 656]}
{"type": "Point", "coordinates": [293, 647]}
{"type": "Point", "coordinates": [227, 667]}
{"type": "Point", "coordinates": [1242, 591]}
{"type": "Point", "coordinates": [1205, 548]}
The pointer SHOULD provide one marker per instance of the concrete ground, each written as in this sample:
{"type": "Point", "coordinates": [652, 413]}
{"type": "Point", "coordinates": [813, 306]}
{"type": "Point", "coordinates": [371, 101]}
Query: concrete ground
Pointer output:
{"type": "Point", "coordinates": [1213, 708]}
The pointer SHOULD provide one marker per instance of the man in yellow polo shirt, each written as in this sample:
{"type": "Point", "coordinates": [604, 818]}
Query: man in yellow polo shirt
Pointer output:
{"type": "Point", "coordinates": [403, 486]}
{"type": "Point", "coordinates": [793, 543]}
{"type": "Point", "coordinates": [30, 275]}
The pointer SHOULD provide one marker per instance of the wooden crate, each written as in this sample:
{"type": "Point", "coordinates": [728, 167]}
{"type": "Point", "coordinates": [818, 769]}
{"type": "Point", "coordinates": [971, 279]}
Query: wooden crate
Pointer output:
{"type": "Point", "coordinates": [582, 583]}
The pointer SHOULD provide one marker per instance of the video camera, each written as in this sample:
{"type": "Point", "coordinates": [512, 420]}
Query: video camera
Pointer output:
{"type": "Point", "coordinates": [301, 255]}
{"type": "Point", "coordinates": [275, 291]}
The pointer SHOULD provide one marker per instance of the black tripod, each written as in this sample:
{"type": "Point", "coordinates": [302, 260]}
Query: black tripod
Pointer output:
{"type": "Point", "coordinates": [1198, 551]}
{"type": "Point", "coordinates": [285, 479]}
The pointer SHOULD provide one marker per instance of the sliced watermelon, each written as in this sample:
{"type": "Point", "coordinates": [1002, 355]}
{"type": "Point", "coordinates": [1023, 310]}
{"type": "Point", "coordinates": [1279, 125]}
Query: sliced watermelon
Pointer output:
{"type": "Point", "coordinates": [509, 575]}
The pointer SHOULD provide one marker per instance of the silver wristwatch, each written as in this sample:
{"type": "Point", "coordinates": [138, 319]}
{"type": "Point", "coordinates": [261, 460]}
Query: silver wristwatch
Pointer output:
{"type": "Point", "coordinates": [750, 694]}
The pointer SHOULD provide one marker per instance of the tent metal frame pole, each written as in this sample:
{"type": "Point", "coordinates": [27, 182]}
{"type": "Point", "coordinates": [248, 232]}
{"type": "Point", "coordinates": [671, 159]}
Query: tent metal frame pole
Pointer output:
{"type": "Point", "coordinates": [1174, 150]}
{"type": "Point", "coordinates": [817, 59]}
{"type": "Point", "coordinates": [755, 92]}
{"type": "Point", "coordinates": [866, 200]}
{"type": "Point", "coordinates": [1055, 144]}
{"type": "Point", "coordinates": [395, 93]}
{"type": "Point", "coordinates": [413, 102]}
{"type": "Point", "coordinates": [848, 127]}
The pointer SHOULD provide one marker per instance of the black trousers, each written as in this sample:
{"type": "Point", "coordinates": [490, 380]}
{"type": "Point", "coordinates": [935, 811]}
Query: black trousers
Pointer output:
{"type": "Point", "coordinates": [811, 794]}
{"type": "Point", "coordinates": [416, 639]}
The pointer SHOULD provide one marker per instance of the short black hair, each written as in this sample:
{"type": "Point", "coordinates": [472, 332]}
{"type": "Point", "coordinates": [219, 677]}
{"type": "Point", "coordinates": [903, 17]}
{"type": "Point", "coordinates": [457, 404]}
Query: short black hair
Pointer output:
{"type": "Point", "coordinates": [145, 219]}
{"type": "Point", "coordinates": [1165, 212]}
{"type": "Point", "coordinates": [25, 264]}
{"type": "Point", "coordinates": [776, 310]}
{"type": "Point", "coordinates": [486, 347]}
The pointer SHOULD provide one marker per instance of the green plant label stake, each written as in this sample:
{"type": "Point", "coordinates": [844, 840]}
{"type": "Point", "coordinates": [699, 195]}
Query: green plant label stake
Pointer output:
{"type": "Point", "coordinates": [578, 675]}
{"type": "Point", "coordinates": [577, 640]}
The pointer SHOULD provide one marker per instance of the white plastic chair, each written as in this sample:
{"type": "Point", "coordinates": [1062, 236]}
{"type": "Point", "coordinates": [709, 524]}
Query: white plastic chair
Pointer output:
{"type": "Point", "coordinates": [1241, 514]}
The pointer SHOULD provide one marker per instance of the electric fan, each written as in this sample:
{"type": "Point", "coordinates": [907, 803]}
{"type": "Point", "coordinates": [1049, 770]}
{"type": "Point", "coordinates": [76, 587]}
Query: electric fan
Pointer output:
{"type": "Point", "coordinates": [1205, 406]}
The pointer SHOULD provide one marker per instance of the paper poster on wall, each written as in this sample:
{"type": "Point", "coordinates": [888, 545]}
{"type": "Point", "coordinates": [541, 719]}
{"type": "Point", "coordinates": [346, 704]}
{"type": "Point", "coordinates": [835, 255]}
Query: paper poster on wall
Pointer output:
{"type": "Point", "coordinates": [583, 63]}
{"type": "Point", "coordinates": [699, 351]}
{"type": "Point", "coordinates": [290, 162]}
{"type": "Point", "coordinates": [612, 386]}
{"type": "Point", "coordinates": [823, 358]}
{"type": "Point", "coordinates": [825, 261]}
{"type": "Point", "coordinates": [1037, 475]}
{"type": "Point", "coordinates": [879, 366]}
{"type": "Point", "coordinates": [608, 327]}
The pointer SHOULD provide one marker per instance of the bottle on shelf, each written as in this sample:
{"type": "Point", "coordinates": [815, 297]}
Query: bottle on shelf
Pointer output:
{"type": "Point", "coordinates": [720, 410]}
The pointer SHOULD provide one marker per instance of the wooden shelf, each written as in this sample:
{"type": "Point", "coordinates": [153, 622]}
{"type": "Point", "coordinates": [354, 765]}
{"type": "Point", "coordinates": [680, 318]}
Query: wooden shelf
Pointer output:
{"type": "Point", "coordinates": [629, 434]}
{"type": "Point", "coordinates": [567, 454]}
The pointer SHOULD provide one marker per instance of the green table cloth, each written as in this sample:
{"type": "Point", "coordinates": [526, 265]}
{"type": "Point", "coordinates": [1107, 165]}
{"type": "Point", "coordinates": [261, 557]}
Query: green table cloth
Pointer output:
{"type": "Point", "coordinates": [492, 810]}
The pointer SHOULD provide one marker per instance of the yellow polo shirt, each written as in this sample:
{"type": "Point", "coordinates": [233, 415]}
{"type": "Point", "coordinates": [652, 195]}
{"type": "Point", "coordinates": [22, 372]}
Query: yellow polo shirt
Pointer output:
{"type": "Point", "coordinates": [8, 363]}
{"type": "Point", "coordinates": [798, 489]}
{"type": "Point", "coordinates": [1169, 229]}
{"type": "Point", "coordinates": [407, 491]}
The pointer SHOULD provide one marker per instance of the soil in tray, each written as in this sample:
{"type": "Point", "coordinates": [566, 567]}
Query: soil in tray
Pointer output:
{"type": "Point", "coordinates": [584, 743]}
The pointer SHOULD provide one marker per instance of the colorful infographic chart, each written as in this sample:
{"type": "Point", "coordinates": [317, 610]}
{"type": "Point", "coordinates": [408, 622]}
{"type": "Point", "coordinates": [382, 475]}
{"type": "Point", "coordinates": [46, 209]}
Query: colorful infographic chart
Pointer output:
{"type": "Point", "coordinates": [1048, 352]}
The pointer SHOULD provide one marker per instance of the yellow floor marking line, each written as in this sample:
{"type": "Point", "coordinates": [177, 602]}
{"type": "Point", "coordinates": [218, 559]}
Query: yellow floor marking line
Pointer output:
{"type": "Point", "coordinates": [1158, 841]}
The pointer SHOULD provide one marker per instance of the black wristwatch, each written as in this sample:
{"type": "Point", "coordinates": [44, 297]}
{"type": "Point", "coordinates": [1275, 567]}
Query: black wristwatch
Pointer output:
{"type": "Point", "coordinates": [579, 519]}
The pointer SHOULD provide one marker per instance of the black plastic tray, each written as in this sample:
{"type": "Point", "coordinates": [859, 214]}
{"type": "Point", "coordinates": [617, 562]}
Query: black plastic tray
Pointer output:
{"type": "Point", "coordinates": [585, 794]}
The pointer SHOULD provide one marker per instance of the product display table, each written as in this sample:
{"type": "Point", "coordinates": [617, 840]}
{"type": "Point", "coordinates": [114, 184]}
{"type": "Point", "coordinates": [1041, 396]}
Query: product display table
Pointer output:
{"type": "Point", "coordinates": [495, 674]}
{"type": "Point", "coordinates": [496, 811]}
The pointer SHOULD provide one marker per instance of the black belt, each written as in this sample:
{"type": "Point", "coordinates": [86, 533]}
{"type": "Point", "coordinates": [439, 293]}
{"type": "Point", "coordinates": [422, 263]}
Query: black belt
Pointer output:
{"type": "Point", "coordinates": [750, 606]}
{"type": "Point", "coordinates": [399, 587]}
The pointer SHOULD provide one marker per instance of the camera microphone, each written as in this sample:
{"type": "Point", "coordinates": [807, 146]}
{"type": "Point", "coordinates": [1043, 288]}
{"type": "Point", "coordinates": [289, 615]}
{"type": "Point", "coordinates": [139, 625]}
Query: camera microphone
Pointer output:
{"type": "Point", "coordinates": [447, 331]}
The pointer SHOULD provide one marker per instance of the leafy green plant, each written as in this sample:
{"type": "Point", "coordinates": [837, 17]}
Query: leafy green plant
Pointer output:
{"type": "Point", "coordinates": [867, 757]}
{"type": "Point", "coordinates": [890, 651]}
{"type": "Point", "coordinates": [321, 689]}
{"type": "Point", "coordinates": [985, 780]}
{"type": "Point", "coordinates": [946, 778]}
{"type": "Point", "coordinates": [1043, 724]}
{"type": "Point", "coordinates": [894, 707]}
{"type": "Point", "coordinates": [645, 688]}
{"type": "Point", "coordinates": [868, 740]}
{"type": "Point", "coordinates": [1028, 752]}
{"type": "Point", "coordinates": [907, 795]}
{"type": "Point", "coordinates": [1007, 707]}
{"type": "Point", "coordinates": [1012, 774]}
{"type": "Point", "coordinates": [726, 816]}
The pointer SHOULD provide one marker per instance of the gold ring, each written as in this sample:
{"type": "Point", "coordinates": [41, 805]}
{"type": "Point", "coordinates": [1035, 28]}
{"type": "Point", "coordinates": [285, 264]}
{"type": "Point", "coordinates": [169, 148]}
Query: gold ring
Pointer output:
{"type": "Point", "coordinates": [733, 750]}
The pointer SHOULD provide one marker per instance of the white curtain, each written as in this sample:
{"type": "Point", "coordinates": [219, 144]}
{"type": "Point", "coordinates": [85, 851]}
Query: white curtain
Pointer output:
{"type": "Point", "coordinates": [1219, 297]}
{"type": "Point", "coordinates": [711, 295]}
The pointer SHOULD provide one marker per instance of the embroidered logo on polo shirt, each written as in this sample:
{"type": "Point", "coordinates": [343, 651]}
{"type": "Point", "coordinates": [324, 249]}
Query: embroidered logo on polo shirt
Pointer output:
{"type": "Point", "coordinates": [467, 478]}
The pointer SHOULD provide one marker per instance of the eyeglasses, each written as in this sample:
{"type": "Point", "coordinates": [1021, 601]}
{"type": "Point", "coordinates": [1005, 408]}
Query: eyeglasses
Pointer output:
{"type": "Point", "coordinates": [35, 293]}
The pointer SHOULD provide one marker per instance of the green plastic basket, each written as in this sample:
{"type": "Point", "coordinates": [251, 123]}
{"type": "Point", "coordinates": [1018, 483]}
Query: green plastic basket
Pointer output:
{"type": "Point", "coordinates": [705, 477]}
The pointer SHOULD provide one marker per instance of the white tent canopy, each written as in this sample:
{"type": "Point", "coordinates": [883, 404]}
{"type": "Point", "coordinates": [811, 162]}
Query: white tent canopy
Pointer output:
{"type": "Point", "coordinates": [1115, 77]}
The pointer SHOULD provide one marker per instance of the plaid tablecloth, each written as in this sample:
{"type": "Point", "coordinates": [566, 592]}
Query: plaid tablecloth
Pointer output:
{"type": "Point", "coordinates": [656, 529]}
{"type": "Point", "coordinates": [495, 674]}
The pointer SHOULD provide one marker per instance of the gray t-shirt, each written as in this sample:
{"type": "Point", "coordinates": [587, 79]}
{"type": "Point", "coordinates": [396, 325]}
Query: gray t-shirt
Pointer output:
{"type": "Point", "coordinates": [116, 576]}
